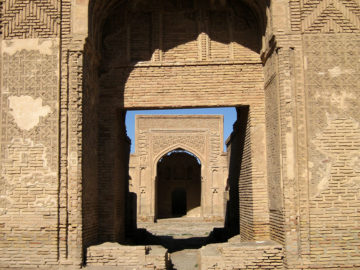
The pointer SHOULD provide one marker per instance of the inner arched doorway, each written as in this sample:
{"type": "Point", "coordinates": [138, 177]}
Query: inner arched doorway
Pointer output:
{"type": "Point", "coordinates": [178, 185]}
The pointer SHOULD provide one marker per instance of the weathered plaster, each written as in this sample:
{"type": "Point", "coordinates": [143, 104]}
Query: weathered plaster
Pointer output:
{"type": "Point", "coordinates": [27, 111]}
{"type": "Point", "coordinates": [26, 167]}
{"type": "Point", "coordinates": [338, 71]}
{"type": "Point", "coordinates": [338, 144]}
{"type": "Point", "coordinates": [44, 46]}
{"type": "Point", "coordinates": [80, 17]}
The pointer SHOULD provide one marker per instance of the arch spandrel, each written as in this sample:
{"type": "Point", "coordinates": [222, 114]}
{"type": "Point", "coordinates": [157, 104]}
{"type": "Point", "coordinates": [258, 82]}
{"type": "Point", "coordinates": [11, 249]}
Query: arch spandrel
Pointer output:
{"type": "Point", "coordinates": [193, 143]}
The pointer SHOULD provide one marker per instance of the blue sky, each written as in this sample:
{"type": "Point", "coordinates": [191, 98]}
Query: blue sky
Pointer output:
{"type": "Point", "coordinates": [228, 112]}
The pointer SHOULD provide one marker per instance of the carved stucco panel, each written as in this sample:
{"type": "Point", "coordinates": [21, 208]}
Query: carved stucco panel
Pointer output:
{"type": "Point", "coordinates": [161, 142]}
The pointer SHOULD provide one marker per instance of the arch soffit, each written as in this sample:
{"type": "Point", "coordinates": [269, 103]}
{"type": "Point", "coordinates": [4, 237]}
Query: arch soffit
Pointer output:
{"type": "Point", "coordinates": [99, 9]}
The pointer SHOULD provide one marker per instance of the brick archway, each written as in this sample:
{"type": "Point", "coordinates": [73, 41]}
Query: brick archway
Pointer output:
{"type": "Point", "coordinates": [167, 65]}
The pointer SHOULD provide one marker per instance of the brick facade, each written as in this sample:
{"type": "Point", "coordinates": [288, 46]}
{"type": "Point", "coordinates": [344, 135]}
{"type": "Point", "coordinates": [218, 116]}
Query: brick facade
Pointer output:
{"type": "Point", "coordinates": [292, 63]}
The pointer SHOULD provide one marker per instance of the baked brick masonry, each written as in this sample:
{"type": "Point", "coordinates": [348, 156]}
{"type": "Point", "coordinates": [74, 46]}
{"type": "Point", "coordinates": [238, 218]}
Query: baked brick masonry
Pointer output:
{"type": "Point", "coordinates": [288, 186]}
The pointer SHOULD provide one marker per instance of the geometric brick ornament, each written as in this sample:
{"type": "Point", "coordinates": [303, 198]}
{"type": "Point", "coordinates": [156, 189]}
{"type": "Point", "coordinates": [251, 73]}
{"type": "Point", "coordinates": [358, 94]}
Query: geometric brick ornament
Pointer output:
{"type": "Point", "coordinates": [31, 18]}
{"type": "Point", "coordinates": [337, 16]}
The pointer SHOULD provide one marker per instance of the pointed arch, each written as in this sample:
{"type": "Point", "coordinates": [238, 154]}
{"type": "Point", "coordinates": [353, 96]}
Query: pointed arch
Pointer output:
{"type": "Point", "coordinates": [176, 146]}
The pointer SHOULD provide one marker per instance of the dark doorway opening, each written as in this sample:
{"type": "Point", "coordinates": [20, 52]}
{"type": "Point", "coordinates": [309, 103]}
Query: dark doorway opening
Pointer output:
{"type": "Point", "coordinates": [178, 185]}
{"type": "Point", "coordinates": [178, 202]}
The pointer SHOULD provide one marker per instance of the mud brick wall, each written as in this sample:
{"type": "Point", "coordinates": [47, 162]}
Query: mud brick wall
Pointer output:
{"type": "Point", "coordinates": [246, 193]}
{"type": "Point", "coordinates": [158, 258]}
{"type": "Point", "coordinates": [31, 19]}
{"type": "Point", "coordinates": [213, 84]}
{"type": "Point", "coordinates": [250, 255]}
{"type": "Point", "coordinates": [243, 256]}
{"type": "Point", "coordinates": [134, 257]}
{"type": "Point", "coordinates": [312, 118]}
{"type": "Point", "coordinates": [273, 148]}
{"type": "Point", "coordinates": [113, 254]}
{"type": "Point", "coordinates": [247, 176]}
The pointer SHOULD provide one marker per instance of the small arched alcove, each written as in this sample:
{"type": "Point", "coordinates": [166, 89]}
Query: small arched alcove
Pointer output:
{"type": "Point", "coordinates": [178, 186]}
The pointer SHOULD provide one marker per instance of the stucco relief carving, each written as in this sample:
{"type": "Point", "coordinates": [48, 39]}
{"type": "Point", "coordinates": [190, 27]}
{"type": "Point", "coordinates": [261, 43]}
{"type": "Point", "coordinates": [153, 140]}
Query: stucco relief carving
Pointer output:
{"type": "Point", "coordinates": [158, 135]}
{"type": "Point", "coordinates": [161, 142]}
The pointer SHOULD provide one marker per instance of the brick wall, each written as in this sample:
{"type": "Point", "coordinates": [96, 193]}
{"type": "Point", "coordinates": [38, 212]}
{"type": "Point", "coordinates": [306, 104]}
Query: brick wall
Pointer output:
{"type": "Point", "coordinates": [29, 152]}
{"type": "Point", "coordinates": [246, 192]}
{"type": "Point", "coordinates": [128, 257]}
{"type": "Point", "coordinates": [90, 185]}
{"type": "Point", "coordinates": [114, 151]}
{"type": "Point", "coordinates": [31, 19]}
{"type": "Point", "coordinates": [176, 58]}
{"type": "Point", "coordinates": [334, 144]}
{"type": "Point", "coordinates": [273, 149]}
{"type": "Point", "coordinates": [242, 256]}
{"type": "Point", "coordinates": [323, 205]}
{"type": "Point", "coordinates": [247, 176]}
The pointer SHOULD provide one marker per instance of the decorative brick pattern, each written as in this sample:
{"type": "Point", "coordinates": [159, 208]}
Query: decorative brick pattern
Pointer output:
{"type": "Point", "coordinates": [29, 159]}
{"type": "Point", "coordinates": [335, 224]}
{"type": "Point", "coordinates": [209, 58]}
{"type": "Point", "coordinates": [194, 141]}
{"type": "Point", "coordinates": [31, 18]}
{"type": "Point", "coordinates": [33, 74]}
{"type": "Point", "coordinates": [326, 16]}
{"type": "Point", "coordinates": [334, 138]}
